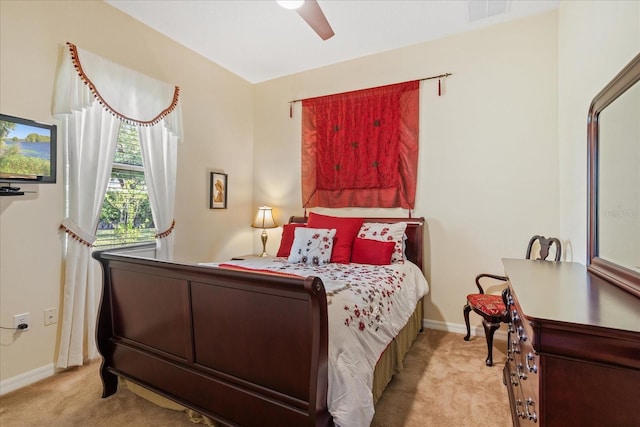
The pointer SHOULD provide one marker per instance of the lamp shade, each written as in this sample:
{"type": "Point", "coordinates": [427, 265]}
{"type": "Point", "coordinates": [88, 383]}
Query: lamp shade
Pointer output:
{"type": "Point", "coordinates": [264, 218]}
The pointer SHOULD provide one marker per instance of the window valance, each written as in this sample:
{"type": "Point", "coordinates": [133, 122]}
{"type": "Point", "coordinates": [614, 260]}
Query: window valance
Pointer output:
{"type": "Point", "coordinates": [135, 98]}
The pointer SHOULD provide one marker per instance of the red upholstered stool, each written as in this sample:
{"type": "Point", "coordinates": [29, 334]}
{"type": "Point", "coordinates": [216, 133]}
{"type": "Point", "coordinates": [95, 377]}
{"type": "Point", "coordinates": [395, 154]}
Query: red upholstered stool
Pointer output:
{"type": "Point", "coordinates": [488, 304]}
{"type": "Point", "coordinates": [492, 308]}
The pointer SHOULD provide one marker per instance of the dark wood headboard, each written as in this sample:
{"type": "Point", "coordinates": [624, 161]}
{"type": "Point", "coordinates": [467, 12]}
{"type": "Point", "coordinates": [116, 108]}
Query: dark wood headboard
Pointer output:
{"type": "Point", "coordinates": [414, 232]}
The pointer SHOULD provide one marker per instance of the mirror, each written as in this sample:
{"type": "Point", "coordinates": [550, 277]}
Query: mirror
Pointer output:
{"type": "Point", "coordinates": [614, 181]}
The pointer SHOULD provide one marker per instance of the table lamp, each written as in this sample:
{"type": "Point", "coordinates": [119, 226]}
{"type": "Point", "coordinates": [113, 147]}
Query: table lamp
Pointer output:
{"type": "Point", "coordinates": [264, 220]}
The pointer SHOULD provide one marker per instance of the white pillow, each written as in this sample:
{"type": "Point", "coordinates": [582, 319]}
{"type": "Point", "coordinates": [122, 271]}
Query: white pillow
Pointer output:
{"type": "Point", "coordinates": [386, 233]}
{"type": "Point", "coordinates": [312, 246]}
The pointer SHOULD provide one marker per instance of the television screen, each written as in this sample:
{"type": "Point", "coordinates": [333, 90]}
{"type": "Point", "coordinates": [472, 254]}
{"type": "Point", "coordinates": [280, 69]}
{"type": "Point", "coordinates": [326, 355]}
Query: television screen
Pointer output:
{"type": "Point", "coordinates": [27, 150]}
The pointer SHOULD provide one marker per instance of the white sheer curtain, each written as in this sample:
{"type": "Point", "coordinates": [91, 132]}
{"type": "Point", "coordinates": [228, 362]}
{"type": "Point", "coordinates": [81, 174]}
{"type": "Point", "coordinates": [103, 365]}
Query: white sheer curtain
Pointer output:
{"type": "Point", "coordinates": [92, 97]}
{"type": "Point", "coordinates": [159, 152]}
{"type": "Point", "coordinates": [90, 136]}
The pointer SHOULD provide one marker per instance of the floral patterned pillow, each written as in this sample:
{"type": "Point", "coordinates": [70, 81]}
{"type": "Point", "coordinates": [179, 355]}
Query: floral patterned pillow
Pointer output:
{"type": "Point", "coordinates": [386, 233]}
{"type": "Point", "coordinates": [312, 246]}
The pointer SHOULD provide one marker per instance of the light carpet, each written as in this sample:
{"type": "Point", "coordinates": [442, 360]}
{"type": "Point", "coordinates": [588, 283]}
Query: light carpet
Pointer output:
{"type": "Point", "coordinates": [444, 383]}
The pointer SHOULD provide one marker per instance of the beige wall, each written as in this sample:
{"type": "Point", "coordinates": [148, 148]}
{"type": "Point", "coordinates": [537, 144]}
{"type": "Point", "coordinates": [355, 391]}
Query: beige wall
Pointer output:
{"type": "Point", "coordinates": [488, 163]}
{"type": "Point", "coordinates": [596, 40]}
{"type": "Point", "coordinates": [502, 152]}
{"type": "Point", "coordinates": [218, 131]}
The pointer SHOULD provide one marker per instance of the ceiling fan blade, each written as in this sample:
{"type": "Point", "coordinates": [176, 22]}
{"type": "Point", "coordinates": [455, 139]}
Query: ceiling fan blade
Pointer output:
{"type": "Point", "coordinates": [310, 11]}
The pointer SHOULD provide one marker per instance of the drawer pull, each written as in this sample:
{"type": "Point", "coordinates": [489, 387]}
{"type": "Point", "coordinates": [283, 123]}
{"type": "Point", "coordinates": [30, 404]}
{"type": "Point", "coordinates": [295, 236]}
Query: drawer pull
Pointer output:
{"type": "Point", "coordinates": [521, 373]}
{"type": "Point", "coordinates": [521, 334]}
{"type": "Point", "coordinates": [532, 368]}
{"type": "Point", "coordinates": [531, 414]}
{"type": "Point", "coordinates": [515, 347]}
{"type": "Point", "coordinates": [514, 379]}
{"type": "Point", "coordinates": [520, 413]}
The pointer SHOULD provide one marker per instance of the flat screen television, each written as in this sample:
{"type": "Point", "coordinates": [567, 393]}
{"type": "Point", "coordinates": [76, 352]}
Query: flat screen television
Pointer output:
{"type": "Point", "coordinates": [27, 151]}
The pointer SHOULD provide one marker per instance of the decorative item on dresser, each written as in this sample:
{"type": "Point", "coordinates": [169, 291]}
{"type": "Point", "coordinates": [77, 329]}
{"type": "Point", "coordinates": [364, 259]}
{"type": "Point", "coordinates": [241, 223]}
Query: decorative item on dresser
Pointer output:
{"type": "Point", "coordinates": [573, 353]}
{"type": "Point", "coordinates": [492, 308]}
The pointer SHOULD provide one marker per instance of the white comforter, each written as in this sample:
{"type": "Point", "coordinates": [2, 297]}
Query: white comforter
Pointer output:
{"type": "Point", "coordinates": [368, 305]}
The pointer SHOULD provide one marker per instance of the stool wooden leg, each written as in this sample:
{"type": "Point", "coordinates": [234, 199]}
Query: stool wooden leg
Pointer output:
{"type": "Point", "coordinates": [489, 329]}
{"type": "Point", "coordinates": [466, 310]}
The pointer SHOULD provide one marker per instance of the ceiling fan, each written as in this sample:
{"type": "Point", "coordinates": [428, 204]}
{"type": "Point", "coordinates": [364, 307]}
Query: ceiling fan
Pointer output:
{"type": "Point", "coordinates": [310, 11]}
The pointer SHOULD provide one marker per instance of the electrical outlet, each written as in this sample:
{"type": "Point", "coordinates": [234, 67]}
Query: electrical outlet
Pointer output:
{"type": "Point", "coordinates": [21, 319]}
{"type": "Point", "coordinates": [50, 316]}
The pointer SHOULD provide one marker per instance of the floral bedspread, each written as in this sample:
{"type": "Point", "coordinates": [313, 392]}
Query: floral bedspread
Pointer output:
{"type": "Point", "coordinates": [367, 307]}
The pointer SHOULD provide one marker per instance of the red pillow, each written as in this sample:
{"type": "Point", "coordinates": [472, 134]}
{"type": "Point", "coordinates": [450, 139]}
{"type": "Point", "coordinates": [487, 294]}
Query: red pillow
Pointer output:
{"type": "Point", "coordinates": [374, 252]}
{"type": "Point", "coordinates": [346, 231]}
{"type": "Point", "coordinates": [288, 234]}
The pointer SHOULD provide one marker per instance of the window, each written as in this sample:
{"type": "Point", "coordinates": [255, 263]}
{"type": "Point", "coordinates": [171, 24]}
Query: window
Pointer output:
{"type": "Point", "coordinates": [126, 212]}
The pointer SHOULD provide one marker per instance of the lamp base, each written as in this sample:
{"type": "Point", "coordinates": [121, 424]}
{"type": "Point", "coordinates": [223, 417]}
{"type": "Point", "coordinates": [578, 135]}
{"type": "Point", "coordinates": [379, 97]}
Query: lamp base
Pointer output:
{"type": "Point", "coordinates": [263, 237]}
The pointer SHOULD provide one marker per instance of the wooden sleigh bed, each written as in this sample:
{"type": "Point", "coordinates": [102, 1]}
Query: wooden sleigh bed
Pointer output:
{"type": "Point", "coordinates": [241, 347]}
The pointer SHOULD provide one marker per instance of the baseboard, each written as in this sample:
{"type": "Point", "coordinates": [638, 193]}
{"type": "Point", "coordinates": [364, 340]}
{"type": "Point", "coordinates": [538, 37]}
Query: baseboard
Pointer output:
{"type": "Point", "coordinates": [458, 328]}
{"type": "Point", "coordinates": [22, 380]}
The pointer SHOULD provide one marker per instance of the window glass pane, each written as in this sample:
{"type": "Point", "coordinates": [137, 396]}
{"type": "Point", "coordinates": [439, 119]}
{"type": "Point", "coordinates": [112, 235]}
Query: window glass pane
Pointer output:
{"type": "Point", "coordinates": [126, 212]}
{"type": "Point", "coordinates": [128, 147]}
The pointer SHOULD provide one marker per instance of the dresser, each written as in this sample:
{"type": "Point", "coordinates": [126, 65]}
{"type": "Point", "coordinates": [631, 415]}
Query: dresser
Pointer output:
{"type": "Point", "coordinates": [573, 355]}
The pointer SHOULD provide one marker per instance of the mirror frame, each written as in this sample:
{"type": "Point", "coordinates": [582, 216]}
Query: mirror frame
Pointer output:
{"type": "Point", "coordinates": [618, 275]}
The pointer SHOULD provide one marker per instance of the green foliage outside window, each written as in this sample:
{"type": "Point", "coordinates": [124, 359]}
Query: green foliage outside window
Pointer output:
{"type": "Point", "coordinates": [126, 212]}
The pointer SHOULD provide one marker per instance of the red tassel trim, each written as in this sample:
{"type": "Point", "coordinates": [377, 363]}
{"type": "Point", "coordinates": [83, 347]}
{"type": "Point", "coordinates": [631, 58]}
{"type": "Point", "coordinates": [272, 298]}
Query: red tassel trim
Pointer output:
{"type": "Point", "coordinates": [92, 87]}
{"type": "Point", "coordinates": [74, 236]}
{"type": "Point", "coordinates": [167, 231]}
{"type": "Point", "coordinates": [439, 88]}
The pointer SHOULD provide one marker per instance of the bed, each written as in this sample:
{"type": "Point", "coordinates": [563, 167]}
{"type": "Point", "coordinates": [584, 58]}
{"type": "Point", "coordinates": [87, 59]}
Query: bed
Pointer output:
{"type": "Point", "coordinates": [240, 343]}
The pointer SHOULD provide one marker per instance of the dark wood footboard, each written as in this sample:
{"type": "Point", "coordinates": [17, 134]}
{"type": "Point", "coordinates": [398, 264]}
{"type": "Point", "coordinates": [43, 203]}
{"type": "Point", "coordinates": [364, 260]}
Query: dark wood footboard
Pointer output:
{"type": "Point", "coordinates": [246, 349]}
{"type": "Point", "coordinates": [242, 348]}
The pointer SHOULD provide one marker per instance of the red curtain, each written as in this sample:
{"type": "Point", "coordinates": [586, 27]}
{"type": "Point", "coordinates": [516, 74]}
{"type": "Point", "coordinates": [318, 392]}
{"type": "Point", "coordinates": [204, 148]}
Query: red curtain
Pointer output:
{"type": "Point", "coordinates": [360, 149]}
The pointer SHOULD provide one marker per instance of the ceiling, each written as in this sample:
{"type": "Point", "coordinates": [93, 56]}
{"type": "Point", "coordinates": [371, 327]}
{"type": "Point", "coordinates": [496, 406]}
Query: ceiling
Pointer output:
{"type": "Point", "coordinates": [258, 40]}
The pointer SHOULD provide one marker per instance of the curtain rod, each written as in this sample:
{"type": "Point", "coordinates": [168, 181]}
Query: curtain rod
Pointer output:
{"type": "Point", "coordinates": [440, 76]}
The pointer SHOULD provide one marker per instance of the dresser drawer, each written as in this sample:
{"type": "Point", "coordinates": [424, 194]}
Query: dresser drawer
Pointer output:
{"type": "Point", "coordinates": [521, 343]}
{"type": "Point", "coordinates": [573, 348]}
{"type": "Point", "coordinates": [521, 373]}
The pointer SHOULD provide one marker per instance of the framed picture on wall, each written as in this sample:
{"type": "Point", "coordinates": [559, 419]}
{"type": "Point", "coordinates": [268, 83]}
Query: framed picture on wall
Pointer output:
{"type": "Point", "coordinates": [218, 191]}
